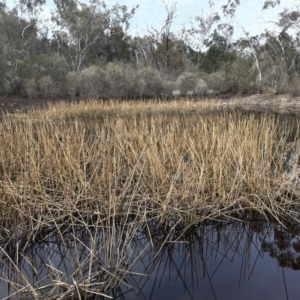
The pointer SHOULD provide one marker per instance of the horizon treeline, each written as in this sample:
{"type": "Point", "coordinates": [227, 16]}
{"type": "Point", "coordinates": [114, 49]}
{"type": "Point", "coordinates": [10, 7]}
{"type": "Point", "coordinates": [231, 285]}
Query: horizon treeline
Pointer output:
{"type": "Point", "coordinates": [88, 52]}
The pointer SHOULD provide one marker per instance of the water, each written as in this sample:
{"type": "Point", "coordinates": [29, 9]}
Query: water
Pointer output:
{"type": "Point", "coordinates": [235, 261]}
{"type": "Point", "coordinates": [224, 260]}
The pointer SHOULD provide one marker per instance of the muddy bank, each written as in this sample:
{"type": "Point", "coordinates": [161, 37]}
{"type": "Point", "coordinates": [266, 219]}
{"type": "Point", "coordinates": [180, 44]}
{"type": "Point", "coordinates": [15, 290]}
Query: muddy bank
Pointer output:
{"type": "Point", "coordinates": [258, 102]}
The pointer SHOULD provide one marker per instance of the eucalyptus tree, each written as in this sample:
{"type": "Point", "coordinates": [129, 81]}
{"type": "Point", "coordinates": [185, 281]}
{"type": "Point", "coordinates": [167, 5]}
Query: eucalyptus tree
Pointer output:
{"type": "Point", "coordinates": [5, 75]}
{"type": "Point", "coordinates": [160, 43]}
{"type": "Point", "coordinates": [282, 47]}
{"type": "Point", "coordinates": [17, 37]}
{"type": "Point", "coordinates": [117, 45]}
{"type": "Point", "coordinates": [211, 34]}
{"type": "Point", "coordinates": [77, 28]}
{"type": "Point", "coordinates": [219, 51]}
{"type": "Point", "coordinates": [140, 47]}
{"type": "Point", "coordinates": [80, 26]}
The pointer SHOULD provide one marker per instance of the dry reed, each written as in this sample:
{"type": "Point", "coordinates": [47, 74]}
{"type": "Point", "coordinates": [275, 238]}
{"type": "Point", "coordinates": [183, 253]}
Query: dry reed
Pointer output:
{"type": "Point", "coordinates": [179, 163]}
{"type": "Point", "coordinates": [183, 161]}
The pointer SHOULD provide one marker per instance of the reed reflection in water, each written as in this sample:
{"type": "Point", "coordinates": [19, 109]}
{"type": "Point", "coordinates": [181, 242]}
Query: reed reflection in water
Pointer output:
{"type": "Point", "coordinates": [218, 260]}
{"type": "Point", "coordinates": [229, 260]}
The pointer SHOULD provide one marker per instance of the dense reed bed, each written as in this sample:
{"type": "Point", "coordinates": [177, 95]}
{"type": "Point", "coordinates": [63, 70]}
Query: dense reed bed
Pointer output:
{"type": "Point", "coordinates": [103, 164]}
{"type": "Point", "coordinates": [180, 162]}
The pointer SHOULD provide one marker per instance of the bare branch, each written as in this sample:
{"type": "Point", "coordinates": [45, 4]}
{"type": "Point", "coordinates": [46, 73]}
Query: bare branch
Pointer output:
{"type": "Point", "coordinates": [24, 30]}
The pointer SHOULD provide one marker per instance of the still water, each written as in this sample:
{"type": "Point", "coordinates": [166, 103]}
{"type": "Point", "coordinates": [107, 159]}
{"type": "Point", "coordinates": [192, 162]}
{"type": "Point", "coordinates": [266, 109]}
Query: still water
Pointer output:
{"type": "Point", "coordinates": [218, 260]}
{"type": "Point", "coordinates": [234, 261]}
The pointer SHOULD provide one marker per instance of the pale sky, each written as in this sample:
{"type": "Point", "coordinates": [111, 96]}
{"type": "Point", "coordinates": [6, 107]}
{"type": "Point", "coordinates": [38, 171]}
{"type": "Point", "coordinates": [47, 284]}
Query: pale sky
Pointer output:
{"type": "Point", "coordinates": [249, 13]}
{"type": "Point", "coordinates": [152, 13]}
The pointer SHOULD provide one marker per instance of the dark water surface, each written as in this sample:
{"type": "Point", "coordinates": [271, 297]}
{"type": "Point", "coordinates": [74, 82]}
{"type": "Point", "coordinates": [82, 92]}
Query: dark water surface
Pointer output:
{"type": "Point", "coordinates": [224, 260]}
{"type": "Point", "coordinates": [236, 263]}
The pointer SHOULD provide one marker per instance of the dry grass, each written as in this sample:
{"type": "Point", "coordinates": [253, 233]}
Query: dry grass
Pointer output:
{"type": "Point", "coordinates": [178, 163]}
{"type": "Point", "coordinates": [182, 160]}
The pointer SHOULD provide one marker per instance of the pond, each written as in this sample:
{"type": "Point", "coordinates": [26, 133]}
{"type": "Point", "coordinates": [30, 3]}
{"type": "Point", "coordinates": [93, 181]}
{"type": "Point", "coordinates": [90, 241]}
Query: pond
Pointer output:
{"type": "Point", "coordinates": [218, 260]}
{"type": "Point", "coordinates": [118, 222]}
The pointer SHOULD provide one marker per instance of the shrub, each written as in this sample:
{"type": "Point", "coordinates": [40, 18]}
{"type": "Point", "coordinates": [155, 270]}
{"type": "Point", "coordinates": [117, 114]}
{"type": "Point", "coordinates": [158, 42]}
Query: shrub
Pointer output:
{"type": "Point", "coordinates": [8, 81]}
{"type": "Point", "coordinates": [31, 88]}
{"type": "Point", "coordinates": [241, 76]}
{"type": "Point", "coordinates": [275, 76]}
{"type": "Point", "coordinates": [58, 73]}
{"type": "Point", "coordinates": [216, 81]}
{"type": "Point", "coordinates": [93, 83]}
{"type": "Point", "coordinates": [293, 87]}
{"type": "Point", "coordinates": [168, 89]}
{"type": "Point", "coordinates": [117, 79]}
{"type": "Point", "coordinates": [72, 83]}
{"type": "Point", "coordinates": [136, 85]}
{"type": "Point", "coordinates": [201, 88]}
{"type": "Point", "coordinates": [153, 82]}
{"type": "Point", "coordinates": [186, 83]}
{"type": "Point", "coordinates": [46, 87]}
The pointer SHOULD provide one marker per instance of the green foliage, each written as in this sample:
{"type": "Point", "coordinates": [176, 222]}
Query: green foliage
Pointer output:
{"type": "Point", "coordinates": [118, 80]}
{"type": "Point", "coordinates": [168, 55]}
{"type": "Point", "coordinates": [92, 55]}
{"type": "Point", "coordinates": [216, 81]}
{"type": "Point", "coordinates": [153, 83]}
{"type": "Point", "coordinates": [169, 86]}
{"type": "Point", "coordinates": [41, 87]}
{"type": "Point", "coordinates": [117, 47]}
{"type": "Point", "coordinates": [31, 88]}
{"type": "Point", "coordinates": [8, 77]}
{"type": "Point", "coordinates": [17, 37]}
{"type": "Point", "coordinates": [47, 87]}
{"type": "Point", "coordinates": [8, 81]}
{"type": "Point", "coordinates": [93, 83]}
{"type": "Point", "coordinates": [72, 84]}
{"type": "Point", "coordinates": [219, 52]}
{"type": "Point", "coordinates": [201, 88]}
{"type": "Point", "coordinates": [240, 76]}
{"type": "Point", "coordinates": [293, 87]}
{"type": "Point", "coordinates": [186, 82]}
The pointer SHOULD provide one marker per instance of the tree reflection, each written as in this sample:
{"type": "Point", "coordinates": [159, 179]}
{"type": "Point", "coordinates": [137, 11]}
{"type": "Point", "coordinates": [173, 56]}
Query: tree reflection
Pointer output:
{"type": "Point", "coordinates": [284, 245]}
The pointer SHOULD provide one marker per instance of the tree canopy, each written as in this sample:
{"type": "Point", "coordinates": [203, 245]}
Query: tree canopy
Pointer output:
{"type": "Point", "coordinates": [92, 42]}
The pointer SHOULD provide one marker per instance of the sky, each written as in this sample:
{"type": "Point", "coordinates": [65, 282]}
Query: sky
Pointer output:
{"type": "Point", "coordinates": [249, 13]}
{"type": "Point", "coordinates": [152, 13]}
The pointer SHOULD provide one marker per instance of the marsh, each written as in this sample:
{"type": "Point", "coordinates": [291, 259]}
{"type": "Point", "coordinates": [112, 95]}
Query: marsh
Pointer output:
{"type": "Point", "coordinates": [121, 172]}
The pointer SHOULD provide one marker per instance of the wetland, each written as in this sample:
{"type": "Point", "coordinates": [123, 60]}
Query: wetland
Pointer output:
{"type": "Point", "coordinates": [149, 200]}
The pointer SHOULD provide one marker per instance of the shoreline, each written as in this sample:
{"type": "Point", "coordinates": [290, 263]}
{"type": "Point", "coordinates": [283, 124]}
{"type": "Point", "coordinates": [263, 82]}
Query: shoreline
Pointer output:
{"type": "Point", "coordinates": [283, 103]}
